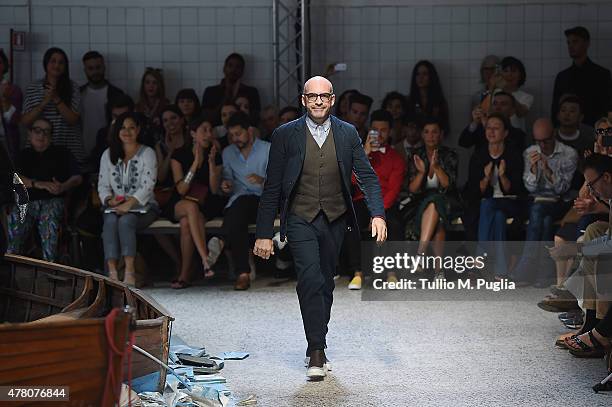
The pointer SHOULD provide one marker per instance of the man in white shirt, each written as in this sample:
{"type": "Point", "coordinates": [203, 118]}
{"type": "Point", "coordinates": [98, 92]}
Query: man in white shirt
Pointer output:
{"type": "Point", "coordinates": [94, 97]}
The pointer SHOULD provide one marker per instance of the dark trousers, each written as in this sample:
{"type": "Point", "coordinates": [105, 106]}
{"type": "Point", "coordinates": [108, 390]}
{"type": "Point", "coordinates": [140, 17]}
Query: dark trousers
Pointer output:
{"type": "Point", "coordinates": [315, 247]}
{"type": "Point", "coordinates": [236, 220]}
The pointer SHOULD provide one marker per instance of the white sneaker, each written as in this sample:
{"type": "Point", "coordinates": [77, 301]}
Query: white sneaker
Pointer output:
{"type": "Point", "coordinates": [327, 364]}
{"type": "Point", "coordinates": [315, 373]}
{"type": "Point", "coordinates": [215, 247]}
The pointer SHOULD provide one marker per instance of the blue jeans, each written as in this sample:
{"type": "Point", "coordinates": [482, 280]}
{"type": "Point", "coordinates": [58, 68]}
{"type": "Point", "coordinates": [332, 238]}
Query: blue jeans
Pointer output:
{"type": "Point", "coordinates": [119, 232]}
{"type": "Point", "coordinates": [542, 216]}
{"type": "Point", "coordinates": [492, 228]}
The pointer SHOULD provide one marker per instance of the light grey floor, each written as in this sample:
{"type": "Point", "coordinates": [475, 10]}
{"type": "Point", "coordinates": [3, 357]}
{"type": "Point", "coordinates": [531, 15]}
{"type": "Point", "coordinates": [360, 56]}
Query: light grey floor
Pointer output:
{"type": "Point", "coordinates": [388, 353]}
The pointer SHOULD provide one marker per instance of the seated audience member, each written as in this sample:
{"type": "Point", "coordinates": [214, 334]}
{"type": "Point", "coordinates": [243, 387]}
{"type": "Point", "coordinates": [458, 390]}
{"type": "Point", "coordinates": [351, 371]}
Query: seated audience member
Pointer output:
{"type": "Point", "coordinates": [128, 171]}
{"type": "Point", "coordinates": [390, 169]}
{"type": "Point", "coordinates": [227, 110]}
{"type": "Point", "coordinates": [571, 130]}
{"type": "Point", "coordinates": [514, 74]}
{"type": "Point", "coordinates": [196, 171]}
{"type": "Point", "coordinates": [408, 139]}
{"type": "Point", "coordinates": [426, 97]}
{"type": "Point", "coordinates": [270, 120]}
{"type": "Point", "coordinates": [587, 80]}
{"type": "Point", "coordinates": [495, 183]}
{"type": "Point", "coordinates": [595, 294]}
{"type": "Point", "coordinates": [342, 107]}
{"type": "Point", "coordinates": [49, 172]}
{"type": "Point", "coordinates": [396, 104]}
{"type": "Point", "coordinates": [228, 90]}
{"type": "Point", "coordinates": [11, 102]}
{"type": "Point", "coordinates": [152, 96]}
{"type": "Point", "coordinates": [549, 170]}
{"type": "Point", "coordinates": [95, 96]}
{"type": "Point", "coordinates": [433, 183]}
{"type": "Point", "coordinates": [174, 138]}
{"type": "Point", "coordinates": [586, 210]}
{"type": "Point", "coordinates": [474, 133]}
{"type": "Point", "coordinates": [188, 102]}
{"type": "Point", "coordinates": [603, 128]}
{"type": "Point", "coordinates": [56, 98]}
{"type": "Point", "coordinates": [358, 113]}
{"type": "Point", "coordinates": [488, 69]}
{"type": "Point", "coordinates": [244, 169]}
{"type": "Point", "coordinates": [289, 114]}
{"type": "Point", "coordinates": [117, 106]}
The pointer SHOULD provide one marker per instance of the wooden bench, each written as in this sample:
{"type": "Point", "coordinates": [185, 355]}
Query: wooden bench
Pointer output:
{"type": "Point", "coordinates": [213, 226]}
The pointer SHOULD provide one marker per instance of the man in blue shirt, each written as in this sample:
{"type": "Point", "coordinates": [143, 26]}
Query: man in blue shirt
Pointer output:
{"type": "Point", "coordinates": [244, 172]}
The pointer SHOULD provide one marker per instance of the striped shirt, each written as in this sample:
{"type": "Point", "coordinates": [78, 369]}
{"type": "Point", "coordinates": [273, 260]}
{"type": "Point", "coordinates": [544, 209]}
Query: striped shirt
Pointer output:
{"type": "Point", "coordinates": [64, 134]}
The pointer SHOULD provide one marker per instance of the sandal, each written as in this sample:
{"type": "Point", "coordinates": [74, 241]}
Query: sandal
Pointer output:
{"type": "Point", "coordinates": [208, 274]}
{"type": "Point", "coordinates": [180, 284]}
{"type": "Point", "coordinates": [596, 351]}
{"type": "Point", "coordinates": [560, 342]}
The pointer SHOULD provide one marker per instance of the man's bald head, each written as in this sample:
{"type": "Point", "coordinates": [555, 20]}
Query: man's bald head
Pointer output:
{"type": "Point", "coordinates": [542, 129]}
{"type": "Point", "coordinates": [318, 98]}
{"type": "Point", "coordinates": [318, 84]}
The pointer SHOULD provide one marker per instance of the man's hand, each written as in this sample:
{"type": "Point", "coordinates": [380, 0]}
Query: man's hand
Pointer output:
{"type": "Point", "coordinates": [488, 170]}
{"type": "Point", "coordinates": [582, 205]}
{"type": "Point", "coordinates": [255, 179]}
{"type": "Point", "coordinates": [534, 158]}
{"type": "Point", "coordinates": [379, 229]}
{"type": "Point", "coordinates": [501, 170]}
{"type": "Point", "coordinates": [227, 186]}
{"type": "Point", "coordinates": [264, 248]}
{"type": "Point", "coordinates": [478, 115]}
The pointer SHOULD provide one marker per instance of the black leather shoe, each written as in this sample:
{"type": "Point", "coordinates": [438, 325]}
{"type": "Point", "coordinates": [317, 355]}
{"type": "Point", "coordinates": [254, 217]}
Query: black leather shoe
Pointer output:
{"type": "Point", "coordinates": [317, 368]}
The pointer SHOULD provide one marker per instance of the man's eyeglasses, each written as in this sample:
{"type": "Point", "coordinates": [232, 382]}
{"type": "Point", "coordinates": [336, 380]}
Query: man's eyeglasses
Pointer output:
{"type": "Point", "coordinates": [590, 186]}
{"type": "Point", "coordinates": [39, 130]}
{"type": "Point", "coordinates": [604, 132]}
{"type": "Point", "coordinates": [312, 97]}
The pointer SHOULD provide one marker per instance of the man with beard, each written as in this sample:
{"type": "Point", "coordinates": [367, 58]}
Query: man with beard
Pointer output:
{"type": "Point", "coordinates": [95, 95]}
{"type": "Point", "coordinates": [308, 178]}
{"type": "Point", "coordinates": [244, 172]}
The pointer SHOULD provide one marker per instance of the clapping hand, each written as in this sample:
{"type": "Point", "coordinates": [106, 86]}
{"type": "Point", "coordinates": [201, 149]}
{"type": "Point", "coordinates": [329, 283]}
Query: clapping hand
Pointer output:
{"type": "Point", "coordinates": [488, 170]}
{"type": "Point", "coordinates": [419, 164]}
{"type": "Point", "coordinates": [502, 168]}
{"type": "Point", "coordinates": [226, 186]}
{"type": "Point", "coordinates": [255, 179]}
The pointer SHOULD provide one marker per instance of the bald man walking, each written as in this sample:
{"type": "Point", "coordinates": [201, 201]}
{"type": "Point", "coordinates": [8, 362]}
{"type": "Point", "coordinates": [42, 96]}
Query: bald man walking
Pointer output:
{"type": "Point", "coordinates": [308, 180]}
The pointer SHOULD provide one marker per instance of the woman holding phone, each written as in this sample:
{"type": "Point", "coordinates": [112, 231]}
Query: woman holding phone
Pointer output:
{"type": "Point", "coordinates": [128, 171]}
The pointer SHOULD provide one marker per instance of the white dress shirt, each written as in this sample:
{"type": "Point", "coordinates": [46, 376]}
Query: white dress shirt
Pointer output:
{"type": "Point", "coordinates": [319, 131]}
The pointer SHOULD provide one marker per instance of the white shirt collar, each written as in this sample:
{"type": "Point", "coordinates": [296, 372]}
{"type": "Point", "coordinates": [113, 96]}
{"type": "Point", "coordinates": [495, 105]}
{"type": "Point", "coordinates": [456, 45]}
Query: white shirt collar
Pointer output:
{"type": "Point", "coordinates": [314, 127]}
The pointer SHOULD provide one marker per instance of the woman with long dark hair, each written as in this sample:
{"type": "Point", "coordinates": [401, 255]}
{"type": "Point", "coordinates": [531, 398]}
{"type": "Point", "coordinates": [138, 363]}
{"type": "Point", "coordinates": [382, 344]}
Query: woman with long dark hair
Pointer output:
{"type": "Point", "coordinates": [342, 106]}
{"type": "Point", "coordinates": [188, 102]}
{"type": "Point", "coordinates": [56, 98]}
{"type": "Point", "coordinates": [196, 171]}
{"type": "Point", "coordinates": [152, 95]}
{"type": "Point", "coordinates": [426, 97]}
{"type": "Point", "coordinates": [128, 171]}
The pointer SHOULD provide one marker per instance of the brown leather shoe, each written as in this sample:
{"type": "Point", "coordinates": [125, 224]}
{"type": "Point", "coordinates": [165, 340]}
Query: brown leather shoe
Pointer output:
{"type": "Point", "coordinates": [243, 282]}
{"type": "Point", "coordinates": [555, 303]}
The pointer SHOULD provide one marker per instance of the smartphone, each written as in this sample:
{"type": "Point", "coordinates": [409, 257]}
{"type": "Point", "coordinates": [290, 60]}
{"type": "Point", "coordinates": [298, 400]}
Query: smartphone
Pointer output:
{"type": "Point", "coordinates": [606, 141]}
{"type": "Point", "coordinates": [374, 142]}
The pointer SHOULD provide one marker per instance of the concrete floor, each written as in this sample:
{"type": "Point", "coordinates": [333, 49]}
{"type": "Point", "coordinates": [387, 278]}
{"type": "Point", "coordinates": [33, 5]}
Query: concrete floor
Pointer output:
{"type": "Point", "coordinates": [388, 353]}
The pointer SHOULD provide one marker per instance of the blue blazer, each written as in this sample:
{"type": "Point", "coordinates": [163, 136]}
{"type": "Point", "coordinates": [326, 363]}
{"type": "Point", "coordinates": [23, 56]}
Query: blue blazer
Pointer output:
{"type": "Point", "coordinates": [285, 167]}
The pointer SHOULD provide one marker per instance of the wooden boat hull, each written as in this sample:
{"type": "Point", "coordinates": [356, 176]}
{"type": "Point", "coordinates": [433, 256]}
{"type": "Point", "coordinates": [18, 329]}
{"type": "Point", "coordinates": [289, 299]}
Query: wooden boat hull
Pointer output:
{"type": "Point", "coordinates": [71, 354]}
{"type": "Point", "coordinates": [32, 289]}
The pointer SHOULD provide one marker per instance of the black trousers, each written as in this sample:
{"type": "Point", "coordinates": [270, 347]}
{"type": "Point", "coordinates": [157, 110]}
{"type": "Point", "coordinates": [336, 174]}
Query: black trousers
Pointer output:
{"type": "Point", "coordinates": [315, 247]}
{"type": "Point", "coordinates": [236, 220]}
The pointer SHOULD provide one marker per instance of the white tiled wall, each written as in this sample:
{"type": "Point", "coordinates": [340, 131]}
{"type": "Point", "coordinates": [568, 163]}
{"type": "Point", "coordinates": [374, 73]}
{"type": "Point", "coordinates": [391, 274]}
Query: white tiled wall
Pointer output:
{"type": "Point", "coordinates": [379, 43]}
{"type": "Point", "coordinates": [188, 43]}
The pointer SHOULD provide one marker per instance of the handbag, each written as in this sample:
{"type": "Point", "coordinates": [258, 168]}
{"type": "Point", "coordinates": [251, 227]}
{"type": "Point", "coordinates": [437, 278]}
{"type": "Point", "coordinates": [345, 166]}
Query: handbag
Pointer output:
{"type": "Point", "coordinates": [197, 193]}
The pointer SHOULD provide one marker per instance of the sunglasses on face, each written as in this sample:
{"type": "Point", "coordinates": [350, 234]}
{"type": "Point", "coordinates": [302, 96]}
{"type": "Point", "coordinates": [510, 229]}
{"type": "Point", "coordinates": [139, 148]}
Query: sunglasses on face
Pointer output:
{"type": "Point", "coordinates": [604, 132]}
{"type": "Point", "coordinates": [591, 185]}
{"type": "Point", "coordinates": [312, 97]}
{"type": "Point", "coordinates": [39, 130]}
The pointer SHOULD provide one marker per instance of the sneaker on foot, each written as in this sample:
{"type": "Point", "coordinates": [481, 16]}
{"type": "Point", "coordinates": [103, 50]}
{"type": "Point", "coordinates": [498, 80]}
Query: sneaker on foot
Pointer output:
{"type": "Point", "coordinates": [215, 247]}
{"type": "Point", "coordinates": [355, 283]}
{"type": "Point", "coordinates": [391, 279]}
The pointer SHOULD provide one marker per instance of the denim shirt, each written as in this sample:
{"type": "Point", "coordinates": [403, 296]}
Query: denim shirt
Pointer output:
{"type": "Point", "coordinates": [236, 168]}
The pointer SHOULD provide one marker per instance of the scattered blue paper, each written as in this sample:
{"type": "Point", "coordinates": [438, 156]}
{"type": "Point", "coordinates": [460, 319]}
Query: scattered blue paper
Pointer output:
{"type": "Point", "coordinates": [233, 355]}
